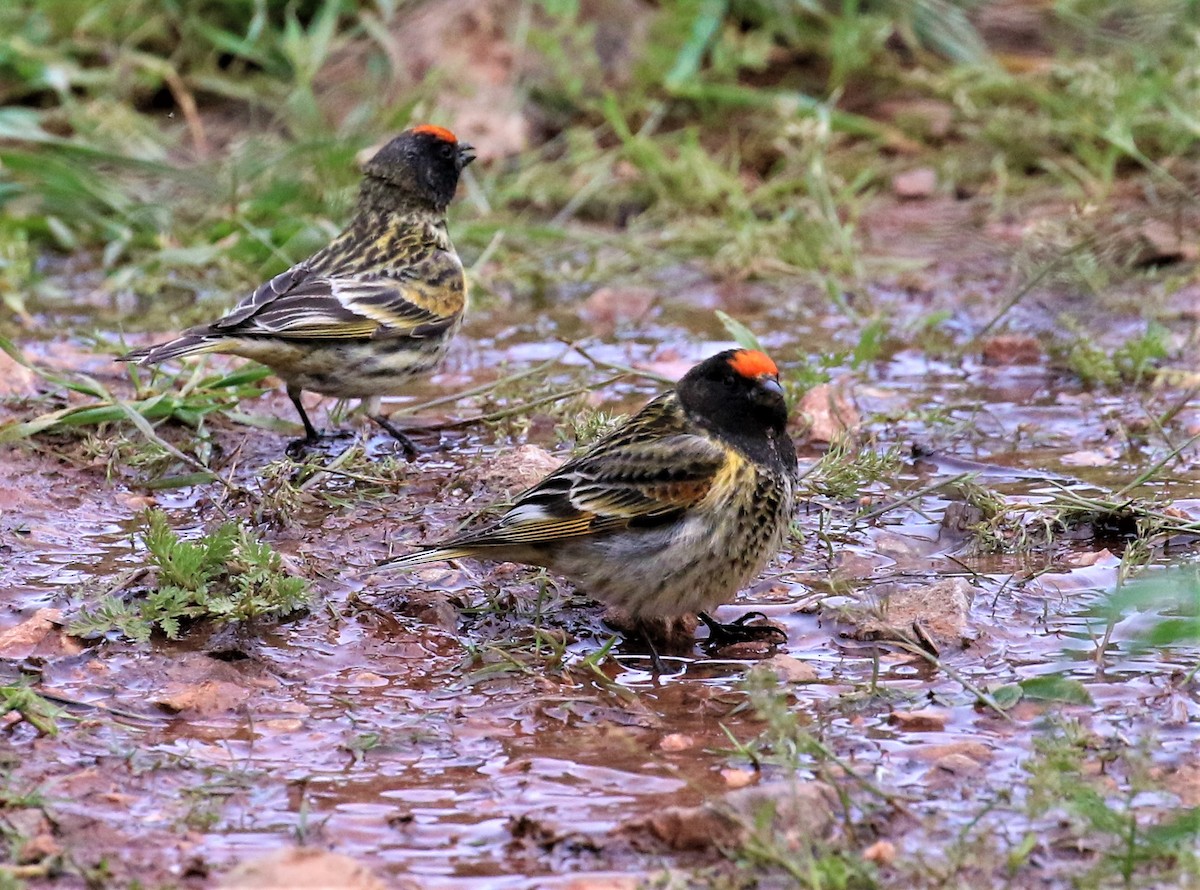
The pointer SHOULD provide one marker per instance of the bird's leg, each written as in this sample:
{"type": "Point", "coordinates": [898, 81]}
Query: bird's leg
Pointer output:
{"type": "Point", "coordinates": [739, 631]}
{"type": "Point", "coordinates": [312, 435]}
{"type": "Point", "coordinates": [410, 450]}
{"type": "Point", "coordinates": [656, 662]}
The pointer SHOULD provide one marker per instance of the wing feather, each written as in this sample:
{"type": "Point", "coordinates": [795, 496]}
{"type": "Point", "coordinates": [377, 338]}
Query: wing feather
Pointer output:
{"type": "Point", "coordinates": [301, 304]}
{"type": "Point", "coordinates": [624, 481]}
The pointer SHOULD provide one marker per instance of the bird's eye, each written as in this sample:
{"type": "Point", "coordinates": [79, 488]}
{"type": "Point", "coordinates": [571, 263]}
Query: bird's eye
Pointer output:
{"type": "Point", "coordinates": [447, 150]}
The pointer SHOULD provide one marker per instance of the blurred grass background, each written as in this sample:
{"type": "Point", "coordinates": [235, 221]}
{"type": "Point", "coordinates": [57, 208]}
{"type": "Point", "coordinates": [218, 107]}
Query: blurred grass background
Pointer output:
{"type": "Point", "coordinates": [157, 159]}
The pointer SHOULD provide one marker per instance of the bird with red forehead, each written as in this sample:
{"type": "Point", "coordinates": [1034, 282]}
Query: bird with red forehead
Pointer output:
{"type": "Point", "coordinates": [379, 304]}
{"type": "Point", "coordinates": [671, 513]}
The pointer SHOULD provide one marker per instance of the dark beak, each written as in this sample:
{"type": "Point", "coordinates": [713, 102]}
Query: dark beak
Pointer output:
{"type": "Point", "coordinates": [771, 385]}
{"type": "Point", "coordinates": [466, 154]}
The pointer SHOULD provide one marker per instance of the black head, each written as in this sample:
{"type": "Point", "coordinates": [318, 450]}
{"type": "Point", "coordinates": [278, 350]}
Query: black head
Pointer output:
{"type": "Point", "coordinates": [425, 161]}
{"type": "Point", "coordinates": [735, 392]}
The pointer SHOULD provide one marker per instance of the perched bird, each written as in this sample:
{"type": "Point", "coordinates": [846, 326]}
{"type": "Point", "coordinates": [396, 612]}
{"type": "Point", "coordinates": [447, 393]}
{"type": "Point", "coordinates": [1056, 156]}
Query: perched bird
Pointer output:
{"type": "Point", "coordinates": [671, 513]}
{"type": "Point", "coordinates": [378, 305]}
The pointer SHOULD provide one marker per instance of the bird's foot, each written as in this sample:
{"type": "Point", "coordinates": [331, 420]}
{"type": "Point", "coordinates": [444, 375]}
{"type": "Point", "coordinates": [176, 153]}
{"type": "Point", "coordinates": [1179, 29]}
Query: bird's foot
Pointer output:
{"type": "Point", "coordinates": [739, 631]}
{"type": "Point", "coordinates": [410, 450]}
{"type": "Point", "coordinates": [299, 448]}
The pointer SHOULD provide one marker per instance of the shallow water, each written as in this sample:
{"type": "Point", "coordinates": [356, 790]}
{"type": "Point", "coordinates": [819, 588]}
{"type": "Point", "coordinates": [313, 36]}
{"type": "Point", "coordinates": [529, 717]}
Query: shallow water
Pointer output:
{"type": "Point", "coordinates": [452, 755]}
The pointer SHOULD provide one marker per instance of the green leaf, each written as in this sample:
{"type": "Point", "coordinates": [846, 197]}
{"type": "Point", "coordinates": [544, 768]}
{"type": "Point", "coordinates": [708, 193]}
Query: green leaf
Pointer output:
{"type": "Point", "coordinates": [1055, 687]}
{"type": "Point", "coordinates": [704, 29]}
{"type": "Point", "coordinates": [1184, 827]}
{"type": "Point", "coordinates": [738, 332]}
{"type": "Point", "coordinates": [1008, 695]}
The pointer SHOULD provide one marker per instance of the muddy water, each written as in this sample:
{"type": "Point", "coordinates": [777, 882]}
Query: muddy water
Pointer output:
{"type": "Point", "coordinates": [435, 743]}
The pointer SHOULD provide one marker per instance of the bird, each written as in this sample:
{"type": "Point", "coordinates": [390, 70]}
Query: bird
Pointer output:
{"type": "Point", "coordinates": [672, 512]}
{"type": "Point", "coordinates": [375, 307]}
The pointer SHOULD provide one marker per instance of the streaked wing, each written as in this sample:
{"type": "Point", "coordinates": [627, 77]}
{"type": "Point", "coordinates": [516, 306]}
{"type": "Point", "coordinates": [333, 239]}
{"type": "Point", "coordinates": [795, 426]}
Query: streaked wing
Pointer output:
{"type": "Point", "coordinates": [639, 480]}
{"type": "Point", "coordinates": [621, 483]}
{"type": "Point", "coordinates": [311, 306]}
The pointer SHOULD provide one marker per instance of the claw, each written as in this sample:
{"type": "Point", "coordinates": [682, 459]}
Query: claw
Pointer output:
{"type": "Point", "coordinates": [738, 631]}
{"type": "Point", "coordinates": [410, 450]}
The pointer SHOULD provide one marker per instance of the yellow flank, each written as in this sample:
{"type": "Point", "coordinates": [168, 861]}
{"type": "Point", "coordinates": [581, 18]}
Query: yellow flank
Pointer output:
{"type": "Point", "coordinates": [446, 300]}
{"type": "Point", "coordinates": [730, 478]}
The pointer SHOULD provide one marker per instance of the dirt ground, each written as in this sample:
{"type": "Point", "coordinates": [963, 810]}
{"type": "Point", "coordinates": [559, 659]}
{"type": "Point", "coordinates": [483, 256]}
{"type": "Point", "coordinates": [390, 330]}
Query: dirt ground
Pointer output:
{"type": "Point", "coordinates": [449, 729]}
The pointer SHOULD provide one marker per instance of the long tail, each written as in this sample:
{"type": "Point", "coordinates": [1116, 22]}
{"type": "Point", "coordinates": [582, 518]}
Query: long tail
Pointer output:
{"type": "Point", "coordinates": [421, 557]}
{"type": "Point", "coordinates": [188, 344]}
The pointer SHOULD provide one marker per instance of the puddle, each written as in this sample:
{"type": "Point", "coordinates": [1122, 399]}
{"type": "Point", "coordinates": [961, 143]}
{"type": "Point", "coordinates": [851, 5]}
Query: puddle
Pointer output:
{"type": "Point", "coordinates": [452, 756]}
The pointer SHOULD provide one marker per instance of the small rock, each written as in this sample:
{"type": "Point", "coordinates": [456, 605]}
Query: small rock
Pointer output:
{"type": "Point", "coordinates": [22, 640]}
{"type": "Point", "coordinates": [941, 610]}
{"type": "Point", "coordinates": [300, 868]}
{"type": "Point", "coordinates": [830, 413]}
{"type": "Point", "coordinates": [789, 669]}
{"type": "Point", "coordinates": [1185, 782]}
{"type": "Point", "coordinates": [691, 828]}
{"type": "Point", "coordinates": [958, 765]}
{"type": "Point", "coordinates": [961, 517]}
{"type": "Point", "coordinates": [16, 380]}
{"type": "Point", "coordinates": [1162, 242]}
{"type": "Point", "coordinates": [676, 741]}
{"type": "Point", "coordinates": [927, 119]}
{"type": "Point", "coordinates": [430, 606]}
{"type": "Point", "coordinates": [283, 724]}
{"type": "Point", "coordinates": [977, 751]}
{"type": "Point", "coordinates": [914, 184]}
{"type": "Point", "coordinates": [1012, 349]}
{"type": "Point", "coordinates": [1095, 557]}
{"type": "Point", "coordinates": [510, 473]}
{"type": "Point", "coordinates": [738, 778]}
{"type": "Point", "coordinates": [881, 853]}
{"type": "Point", "coordinates": [368, 679]}
{"type": "Point", "coordinates": [604, 882]}
{"type": "Point", "coordinates": [40, 846]}
{"type": "Point", "coordinates": [205, 697]}
{"type": "Point", "coordinates": [924, 720]}
{"type": "Point", "coordinates": [1089, 458]}
{"type": "Point", "coordinates": [799, 810]}
{"type": "Point", "coordinates": [611, 307]}
{"type": "Point", "coordinates": [670, 365]}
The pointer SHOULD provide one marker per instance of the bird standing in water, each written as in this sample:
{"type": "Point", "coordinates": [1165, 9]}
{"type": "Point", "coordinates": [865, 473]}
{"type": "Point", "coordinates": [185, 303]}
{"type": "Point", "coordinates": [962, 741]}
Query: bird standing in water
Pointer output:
{"type": "Point", "coordinates": [378, 305]}
{"type": "Point", "coordinates": [670, 514]}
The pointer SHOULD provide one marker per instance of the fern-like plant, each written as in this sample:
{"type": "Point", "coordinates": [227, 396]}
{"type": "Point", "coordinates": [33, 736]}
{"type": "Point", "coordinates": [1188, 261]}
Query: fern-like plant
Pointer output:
{"type": "Point", "coordinates": [227, 575]}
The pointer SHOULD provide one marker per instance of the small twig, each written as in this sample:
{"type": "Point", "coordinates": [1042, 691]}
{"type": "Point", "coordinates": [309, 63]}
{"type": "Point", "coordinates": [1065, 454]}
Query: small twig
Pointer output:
{"type": "Point", "coordinates": [1148, 473]}
{"type": "Point", "coordinates": [333, 467]}
{"type": "Point", "coordinates": [1022, 292]}
{"type": "Point", "coordinates": [894, 798]}
{"type": "Point", "coordinates": [523, 407]}
{"type": "Point", "coordinates": [915, 648]}
{"type": "Point", "coordinates": [483, 388]}
{"type": "Point", "coordinates": [143, 426]}
{"type": "Point", "coordinates": [57, 698]}
{"type": "Point", "coordinates": [21, 872]}
{"type": "Point", "coordinates": [622, 369]}
{"type": "Point", "coordinates": [913, 496]}
{"type": "Point", "coordinates": [492, 247]}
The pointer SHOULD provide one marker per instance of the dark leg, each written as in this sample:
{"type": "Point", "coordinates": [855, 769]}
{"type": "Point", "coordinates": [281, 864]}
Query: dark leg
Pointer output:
{"type": "Point", "coordinates": [311, 435]}
{"type": "Point", "coordinates": [410, 450]}
{"type": "Point", "coordinates": [656, 662]}
{"type": "Point", "coordinates": [738, 631]}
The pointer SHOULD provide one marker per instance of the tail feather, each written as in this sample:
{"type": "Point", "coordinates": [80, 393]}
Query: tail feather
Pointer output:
{"type": "Point", "coordinates": [421, 557]}
{"type": "Point", "coordinates": [188, 344]}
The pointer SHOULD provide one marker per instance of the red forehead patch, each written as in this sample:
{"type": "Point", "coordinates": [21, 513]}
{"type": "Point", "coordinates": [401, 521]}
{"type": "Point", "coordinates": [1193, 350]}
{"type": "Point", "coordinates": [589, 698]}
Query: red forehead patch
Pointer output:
{"type": "Point", "coordinates": [752, 363]}
{"type": "Point", "coordinates": [436, 132]}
